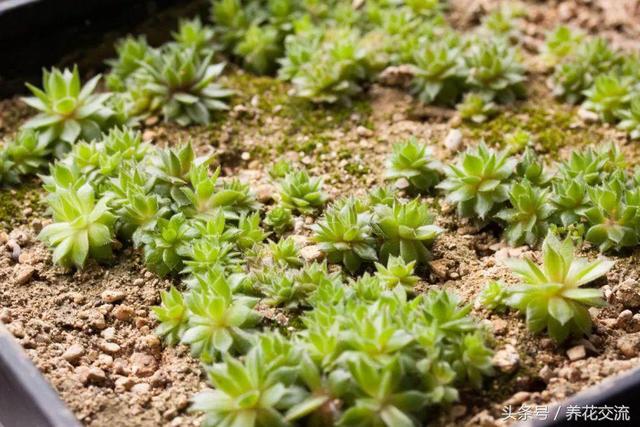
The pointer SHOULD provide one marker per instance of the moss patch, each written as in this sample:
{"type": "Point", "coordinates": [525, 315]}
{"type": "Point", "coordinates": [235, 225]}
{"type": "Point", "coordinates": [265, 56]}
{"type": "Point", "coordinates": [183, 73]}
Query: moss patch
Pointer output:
{"type": "Point", "coordinates": [552, 127]}
{"type": "Point", "coordinates": [17, 203]}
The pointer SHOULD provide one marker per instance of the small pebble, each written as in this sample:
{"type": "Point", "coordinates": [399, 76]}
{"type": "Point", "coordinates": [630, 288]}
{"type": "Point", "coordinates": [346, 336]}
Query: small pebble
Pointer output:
{"type": "Point", "coordinates": [111, 296]}
{"type": "Point", "coordinates": [73, 353]}
{"type": "Point", "coordinates": [576, 353]}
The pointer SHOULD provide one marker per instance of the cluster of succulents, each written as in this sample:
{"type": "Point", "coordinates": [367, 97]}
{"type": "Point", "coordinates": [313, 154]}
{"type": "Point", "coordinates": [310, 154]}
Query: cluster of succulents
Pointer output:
{"type": "Point", "coordinates": [353, 232]}
{"type": "Point", "coordinates": [551, 295]}
{"type": "Point", "coordinates": [592, 188]}
{"type": "Point", "coordinates": [600, 78]}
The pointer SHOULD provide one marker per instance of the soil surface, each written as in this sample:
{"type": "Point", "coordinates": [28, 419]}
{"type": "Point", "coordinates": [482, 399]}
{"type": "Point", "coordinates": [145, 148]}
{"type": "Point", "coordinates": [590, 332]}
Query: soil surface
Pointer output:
{"type": "Point", "coordinates": [91, 332]}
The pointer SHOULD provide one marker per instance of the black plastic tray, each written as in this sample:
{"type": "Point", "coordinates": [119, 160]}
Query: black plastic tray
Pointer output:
{"type": "Point", "coordinates": [44, 33]}
{"type": "Point", "coordinates": [26, 399]}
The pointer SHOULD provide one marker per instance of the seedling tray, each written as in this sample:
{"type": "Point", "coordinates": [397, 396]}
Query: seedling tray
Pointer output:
{"type": "Point", "coordinates": [26, 399]}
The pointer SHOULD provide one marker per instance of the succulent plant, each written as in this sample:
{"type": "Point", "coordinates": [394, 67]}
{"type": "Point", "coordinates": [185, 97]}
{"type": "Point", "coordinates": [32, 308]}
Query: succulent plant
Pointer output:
{"type": "Point", "coordinates": [249, 232]}
{"type": "Point", "coordinates": [131, 52]}
{"type": "Point", "coordinates": [501, 23]}
{"type": "Point", "coordinates": [192, 34]}
{"type": "Point", "coordinates": [27, 152]}
{"type": "Point", "coordinates": [406, 230]}
{"type": "Point", "coordinates": [302, 193]}
{"type": "Point", "coordinates": [630, 119]}
{"type": "Point", "coordinates": [439, 71]}
{"type": "Point", "coordinates": [382, 399]}
{"type": "Point", "coordinates": [570, 199]}
{"type": "Point", "coordinates": [477, 184]}
{"type": "Point", "coordinates": [231, 19]}
{"type": "Point", "coordinates": [279, 219]}
{"type": "Point", "coordinates": [283, 289]}
{"type": "Point", "coordinates": [528, 217]}
{"type": "Point", "coordinates": [494, 69]}
{"type": "Point", "coordinates": [182, 84]}
{"type": "Point", "coordinates": [219, 321]}
{"type": "Point", "coordinates": [345, 236]}
{"type": "Point", "coordinates": [280, 169]}
{"type": "Point", "coordinates": [573, 77]}
{"type": "Point", "coordinates": [8, 174]}
{"type": "Point", "coordinates": [68, 111]}
{"type": "Point", "coordinates": [82, 227]}
{"type": "Point", "coordinates": [613, 221]}
{"type": "Point", "coordinates": [285, 252]}
{"type": "Point", "coordinates": [205, 198]}
{"type": "Point", "coordinates": [259, 48]}
{"type": "Point", "coordinates": [172, 315]}
{"type": "Point", "coordinates": [249, 393]}
{"type": "Point", "coordinates": [476, 107]}
{"type": "Point", "coordinates": [587, 164]}
{"type": "Point", "coordinates": [551, 295]}
{"type": "Point", "coordinates": [608, 96]}
{"type": "Point", "coordinates": [560, 44]}
{"type": "Point", "coordinates": [398, 272]}
{"type": "Point", "coordinates": [171, 167]}
{"type": "Point", "coordinates": [494, 296]}
{"type": "Point", "coordinates": [206, 253]}
{"type": "Point", "coordinates": [531, 167]}
{"type": "Point", "coordinates": [335, 71]}
{"type": "Point", "coordinates": [382, 196]}
{"type": "Point", "coordinates": [415, 163]}
{"type": "Point", "coordinates": [165, 246]}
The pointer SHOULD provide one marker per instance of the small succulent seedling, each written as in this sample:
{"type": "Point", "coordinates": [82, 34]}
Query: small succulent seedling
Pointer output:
{"type": "Point", "coordinates": [173, 316]}
{"type": "Point", "coordinates": [494, 296]}
{"type": "Point", "coordinates": [192, 34]}
{"type": "Point", "coordinates": [251, 392]}
{"type": "Point", "coordinates": [334, 70]}
{"type": "Point", "coordinates": [131, 52]}
{"type": "Point", "coordinates": [630, 119]}
{"type": "Point", "coordinates": [279, 219]}
{"type": "Point", "coordinates": [397, 273]}
{"type": "Point", "coordinates": [207, 253]}
{"type": "Point", "coordinates": [205, 198]}
{"type": "Point", "coordinates": [345, 236]}
{"type": "Point", "coordinates": [218, 321]}
{"type": "Point", "coordinates": [167, 244]}
{"type": "Point", "coordinates": [613, 220]}
{"type": "Point", "coordinates": [249, 232]}
{"type": "Point", "coordinates": [494, 69]}
{"type": "Point", "coordinates": [551, 295]}
{"type": "Point", "coordinates": [381, 399]}
{"type": "Point", "coordinates": [182, 84]}
{"type": "Point", "coordinates": [476, 107]}
{"type": "Point", "coordinates": [68, 111]}
{"type": "Point", "coordinates": [559, 44]}
{"type": "Point", "coordinates": [301, 192]}
{"type": "Point", "coordinates": [406, 230]}
{"type": "Point", "coordinates": [414, 162]}
{"type": "Point", "coordinates": [82, 228]}
{"type": "Point", "coordinates": [8, 173]}
{"type": "Point", "coordinates": [528, 217]}
{"type": "Point", "coordinates": [608, 96]}
{"type": "Point", "coordinates": [477, 183]}
{"type": "Point", "coordinates": [439, 71]}
{"type": "Point", "coordinates": [570, 199]}
{"type": "Point", "coordinates": [27, 152]}
{"type": "Point", "coordinates": [531, 167]}
{"type": "Point", "coordinates": [285, 252]}
{"type": "Point", "coordinates": [231, 20]}
{"type": "Point", "coordinates": [593, 58]}
{"type": "Point", "coordinates": [259, 48]}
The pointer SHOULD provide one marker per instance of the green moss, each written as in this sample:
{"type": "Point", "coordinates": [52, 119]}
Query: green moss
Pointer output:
{"type": "Point", "coordinates": [550, 126]}
{"type": "Point", "coordinates": [15, 202]}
